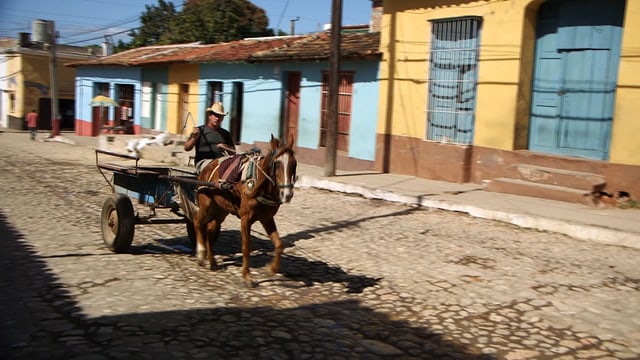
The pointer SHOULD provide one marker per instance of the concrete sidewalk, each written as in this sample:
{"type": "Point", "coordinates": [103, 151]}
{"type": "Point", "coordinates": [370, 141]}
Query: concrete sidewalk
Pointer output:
{"type": "Point", "coordinates": [603, 225]}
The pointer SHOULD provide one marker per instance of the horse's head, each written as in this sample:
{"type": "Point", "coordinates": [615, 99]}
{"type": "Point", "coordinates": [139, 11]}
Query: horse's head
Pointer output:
{"type": "Point", "coordinates": [284, 167]}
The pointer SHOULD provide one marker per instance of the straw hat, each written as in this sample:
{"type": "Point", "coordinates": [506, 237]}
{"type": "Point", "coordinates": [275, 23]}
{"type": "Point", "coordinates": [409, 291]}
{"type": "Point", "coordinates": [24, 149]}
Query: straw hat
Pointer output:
{"type": "Point", "coordinates": [217, 108]}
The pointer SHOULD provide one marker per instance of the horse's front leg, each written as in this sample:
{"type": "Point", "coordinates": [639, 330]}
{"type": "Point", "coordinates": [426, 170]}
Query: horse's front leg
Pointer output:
{"type": "Point", "coordinates": [270, 227]}
{"type": "Point", "coordinates": [200, 223]}
{"type": "Point", "coordinates": [245, 231]}
{"type": "Point", "coordinates": [213, 232]}
{"type": "Point", "coordinates": [201, 241]}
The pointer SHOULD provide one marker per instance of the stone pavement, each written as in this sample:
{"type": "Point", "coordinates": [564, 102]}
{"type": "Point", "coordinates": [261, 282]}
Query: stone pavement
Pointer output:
{"type": "Point", "coordinates": [600, 224]}
{"type": "Point", "coordinates": [361, 278]}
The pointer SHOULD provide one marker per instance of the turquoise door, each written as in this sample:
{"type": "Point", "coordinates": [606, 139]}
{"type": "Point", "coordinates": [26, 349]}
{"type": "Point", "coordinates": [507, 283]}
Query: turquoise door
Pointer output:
{"type": "Point", "coordinates": [576, 67]}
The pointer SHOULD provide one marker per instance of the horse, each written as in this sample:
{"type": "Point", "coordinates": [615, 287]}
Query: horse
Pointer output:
{"type": "Point", "coordinates": [256, 199]}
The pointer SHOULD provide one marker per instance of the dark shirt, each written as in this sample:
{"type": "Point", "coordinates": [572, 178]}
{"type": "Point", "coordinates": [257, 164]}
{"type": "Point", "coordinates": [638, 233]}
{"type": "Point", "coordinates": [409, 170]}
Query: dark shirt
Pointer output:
{"type": "Point", "coordinates": [206, 147]}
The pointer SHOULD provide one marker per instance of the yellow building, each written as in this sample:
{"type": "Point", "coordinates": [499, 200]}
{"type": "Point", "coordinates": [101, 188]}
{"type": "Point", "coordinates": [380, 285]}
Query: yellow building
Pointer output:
{"type": "Point", "coordinates": [26, 82]}
{"type": "Point", "coordinates": [183, 98]}
{"type": "Point", "coordinates": [533, 97]}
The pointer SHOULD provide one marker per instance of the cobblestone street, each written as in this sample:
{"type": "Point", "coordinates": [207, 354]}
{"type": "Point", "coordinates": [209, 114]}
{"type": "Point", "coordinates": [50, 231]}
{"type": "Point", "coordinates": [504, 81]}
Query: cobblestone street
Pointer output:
{"type": "Point", "coordinates": [363, 279]}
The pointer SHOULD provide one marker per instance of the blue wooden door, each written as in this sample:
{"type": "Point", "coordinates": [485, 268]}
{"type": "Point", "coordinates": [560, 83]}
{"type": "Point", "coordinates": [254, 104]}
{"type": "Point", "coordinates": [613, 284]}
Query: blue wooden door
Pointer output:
{"type": "Point", "coordinates": [576, 67]}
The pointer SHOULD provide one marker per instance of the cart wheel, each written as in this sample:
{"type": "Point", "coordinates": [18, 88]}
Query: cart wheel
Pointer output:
{"type": "Point", "coordinates": [191, 231]}
{"type": "Point", "coordinates": [117, 223]}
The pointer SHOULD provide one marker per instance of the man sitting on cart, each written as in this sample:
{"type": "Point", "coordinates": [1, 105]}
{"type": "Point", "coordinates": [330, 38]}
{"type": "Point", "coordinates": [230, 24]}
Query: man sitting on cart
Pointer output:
{"type": "Point", "coordinates": [210, 140]}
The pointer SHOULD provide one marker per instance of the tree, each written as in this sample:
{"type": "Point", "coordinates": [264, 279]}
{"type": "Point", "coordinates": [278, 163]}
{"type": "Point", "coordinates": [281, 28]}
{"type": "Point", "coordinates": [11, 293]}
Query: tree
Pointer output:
{"type": "Point", "coordinates": [155, 25]}
{"type": "Point", "coordinates": [213, 21]}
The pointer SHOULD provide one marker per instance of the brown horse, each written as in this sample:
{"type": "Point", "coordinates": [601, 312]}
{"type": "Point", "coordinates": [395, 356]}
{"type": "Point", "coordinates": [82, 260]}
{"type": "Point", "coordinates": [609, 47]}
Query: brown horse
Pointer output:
{"type": "Point", "coordinates": [256, 199]}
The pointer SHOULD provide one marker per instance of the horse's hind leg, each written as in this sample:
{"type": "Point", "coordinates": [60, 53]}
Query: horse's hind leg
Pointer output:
{"type": "Point", "coordinates": [270, 227]}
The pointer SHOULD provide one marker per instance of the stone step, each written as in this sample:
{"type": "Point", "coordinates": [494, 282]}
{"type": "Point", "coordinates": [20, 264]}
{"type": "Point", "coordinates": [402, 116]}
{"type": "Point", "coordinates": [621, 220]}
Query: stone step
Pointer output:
{"type": "Point", "coordinates": [539, 190]}
{"type": "Point", "coordinates": [557, 177]}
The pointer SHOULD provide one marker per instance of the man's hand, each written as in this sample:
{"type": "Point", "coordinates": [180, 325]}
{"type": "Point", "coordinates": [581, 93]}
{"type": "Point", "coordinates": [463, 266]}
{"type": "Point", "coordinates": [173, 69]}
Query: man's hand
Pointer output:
{"type": "Point", "coordinates": [191, 141]}
{"type": "Point", "coordinates": [226, 148]}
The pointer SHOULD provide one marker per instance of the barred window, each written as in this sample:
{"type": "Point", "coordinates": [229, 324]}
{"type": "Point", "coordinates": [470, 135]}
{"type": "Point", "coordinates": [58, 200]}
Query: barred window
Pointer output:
{"type": "Point", "coordinates": [452, 79]}
{"type": "Point", "coordinates": [214, 92]}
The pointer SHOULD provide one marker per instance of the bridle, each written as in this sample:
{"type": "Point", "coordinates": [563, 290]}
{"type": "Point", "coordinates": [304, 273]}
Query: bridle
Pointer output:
{"type": "Point", "coordinates": [271, 176]}
{"type": "Point", "coordinates": [273, 160]}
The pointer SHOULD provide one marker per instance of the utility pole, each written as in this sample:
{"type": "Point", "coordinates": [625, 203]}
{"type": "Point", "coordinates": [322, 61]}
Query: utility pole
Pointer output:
{"type": "Point", "coordinates": [55, 119]}
{"type": "Point", "coordinates": [292, 25]}
{"type": "Point", "coordinates": [334, 76]}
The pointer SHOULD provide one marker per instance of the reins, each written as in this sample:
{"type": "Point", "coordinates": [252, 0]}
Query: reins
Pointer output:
{"type": "Point", "coordinates": [273, 182]}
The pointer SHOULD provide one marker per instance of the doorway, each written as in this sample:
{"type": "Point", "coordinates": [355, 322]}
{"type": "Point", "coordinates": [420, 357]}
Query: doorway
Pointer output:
{"type": "Point", "coordinates": [292, 106]}
{"type": "Point", "coordinates": [575, 77]}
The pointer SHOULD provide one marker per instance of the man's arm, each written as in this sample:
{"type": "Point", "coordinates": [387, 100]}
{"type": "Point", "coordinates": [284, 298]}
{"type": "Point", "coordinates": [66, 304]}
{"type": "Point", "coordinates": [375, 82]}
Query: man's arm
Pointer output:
{"type": "Point", "coordinates": [193, 138]}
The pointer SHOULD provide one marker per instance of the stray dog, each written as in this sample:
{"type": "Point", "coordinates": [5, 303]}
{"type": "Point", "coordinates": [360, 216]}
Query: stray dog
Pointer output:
{"type": "Point", "coordinates": [603, 198]}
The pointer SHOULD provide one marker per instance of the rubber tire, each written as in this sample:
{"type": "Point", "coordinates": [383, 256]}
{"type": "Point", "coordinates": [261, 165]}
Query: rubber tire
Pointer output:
{"type": "Point", "coordinates": [117, 223]}
{"type": "Point", "coordinates": [191, 232]}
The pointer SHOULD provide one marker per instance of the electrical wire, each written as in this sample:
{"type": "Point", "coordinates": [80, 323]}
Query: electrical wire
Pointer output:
{"type": "Point", "coordinates": [284, 9]}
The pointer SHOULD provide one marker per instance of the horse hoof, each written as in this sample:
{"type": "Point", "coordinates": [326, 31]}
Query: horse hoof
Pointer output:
{"type": "Point", "coordinates": [216, 267]}
{"type": "Point", "coordinates": [203, 263]}
{"type": "Point", "coordinates": [250, 284]}
{"type": "Point", "coordinates": [272, 270]}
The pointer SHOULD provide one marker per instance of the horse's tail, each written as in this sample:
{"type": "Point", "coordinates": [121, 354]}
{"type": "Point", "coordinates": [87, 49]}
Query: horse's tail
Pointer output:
{"type": "Point", "coordinates": [188, 207]}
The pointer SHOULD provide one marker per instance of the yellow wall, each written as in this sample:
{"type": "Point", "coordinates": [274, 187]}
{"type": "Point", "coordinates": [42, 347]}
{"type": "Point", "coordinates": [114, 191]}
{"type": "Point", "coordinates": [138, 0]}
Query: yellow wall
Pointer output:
{"type": "Point", "coordinates": [625, 147]}
{"type": "Point", "coordinates": [178, 75]}
{"type": "Point", "coordinates": [15, 79]}
{"type": "Point", "coordinates": [31, 80]}
{"type": "Point", "coordinates": [37, 81]}
{"type": "Point", "coordinates": [406, 45]}
{"type": "Point", "coordinates": [504, 81]}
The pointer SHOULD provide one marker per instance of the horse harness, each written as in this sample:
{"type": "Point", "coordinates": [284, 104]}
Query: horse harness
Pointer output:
{"type": "Point", "coordinates": [244, 168]}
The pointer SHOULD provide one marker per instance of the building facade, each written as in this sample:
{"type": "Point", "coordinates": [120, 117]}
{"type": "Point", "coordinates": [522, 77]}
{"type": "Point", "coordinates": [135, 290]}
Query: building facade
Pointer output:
{"type": "Point", "coordinates": [26, 82]}
{"type": "Point", "coordinates": [270, 86]}
{"type": "Point", "coordinates": [512, 93]}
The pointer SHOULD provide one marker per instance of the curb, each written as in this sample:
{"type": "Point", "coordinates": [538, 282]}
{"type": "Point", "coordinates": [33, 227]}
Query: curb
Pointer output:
{"type": "Point", "coordinates": [581, 232]}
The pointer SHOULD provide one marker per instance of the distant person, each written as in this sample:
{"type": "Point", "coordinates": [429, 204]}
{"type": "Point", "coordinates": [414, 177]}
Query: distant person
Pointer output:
{"type": "Point", "coordinates": [32, 123]}
{"type": "Point", "coordinates": [124, 117]}
{"type": "Point", "coordinates": [210, 140]}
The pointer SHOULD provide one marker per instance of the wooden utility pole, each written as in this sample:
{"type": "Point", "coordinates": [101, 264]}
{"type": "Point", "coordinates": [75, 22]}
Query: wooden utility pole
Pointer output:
{"type": "Point", "coordinates": [53, 74]}
{"type": "Point", "coordinates": [334, 76]}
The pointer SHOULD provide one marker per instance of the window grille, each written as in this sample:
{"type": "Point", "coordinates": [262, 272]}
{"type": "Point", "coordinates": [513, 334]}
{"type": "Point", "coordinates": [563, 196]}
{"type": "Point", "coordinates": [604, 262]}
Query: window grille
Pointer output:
{"type": "Point", "coordinates": [215, 92]}
{"type": "Point", "coordinates": [452, 79]}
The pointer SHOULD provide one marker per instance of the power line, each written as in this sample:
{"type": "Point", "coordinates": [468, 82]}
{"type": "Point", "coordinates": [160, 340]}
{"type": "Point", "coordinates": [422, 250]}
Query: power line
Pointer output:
{"type": "Point", "coordinates": [284, 9]}
{"type": "Point", "coordinates": [101, 29]}
{"type": "Point", "coordinates": [101, 37]}
{"type": "Point", "coordinates": [111, 26]}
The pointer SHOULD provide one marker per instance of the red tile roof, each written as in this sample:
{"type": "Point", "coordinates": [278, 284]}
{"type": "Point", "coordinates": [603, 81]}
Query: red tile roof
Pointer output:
{"type": "Point", "coordinates": [287, 48]}
{"type": "Point", "coordinates": [318, 47]}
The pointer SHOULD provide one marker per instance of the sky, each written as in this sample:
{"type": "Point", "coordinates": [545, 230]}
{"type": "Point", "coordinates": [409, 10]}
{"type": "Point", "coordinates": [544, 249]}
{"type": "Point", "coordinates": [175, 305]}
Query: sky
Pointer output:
{"type": "Point", "coordinates": [86, 22]}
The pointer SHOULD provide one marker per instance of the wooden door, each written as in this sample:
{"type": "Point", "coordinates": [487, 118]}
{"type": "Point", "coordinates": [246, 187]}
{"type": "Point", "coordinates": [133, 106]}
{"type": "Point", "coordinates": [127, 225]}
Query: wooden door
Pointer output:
{"type": "Point", "coordinates": [292, 108]}
{"type": "Point", "coordinates": [575, 77]}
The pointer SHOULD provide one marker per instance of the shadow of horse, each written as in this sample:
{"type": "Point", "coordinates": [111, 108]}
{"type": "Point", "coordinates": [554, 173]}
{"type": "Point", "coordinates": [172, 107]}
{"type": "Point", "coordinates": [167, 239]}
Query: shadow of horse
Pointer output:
{"type": "Point", "coordinates": [289, 240]}
{"type": "Point", "coordinates": [294, 269]}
